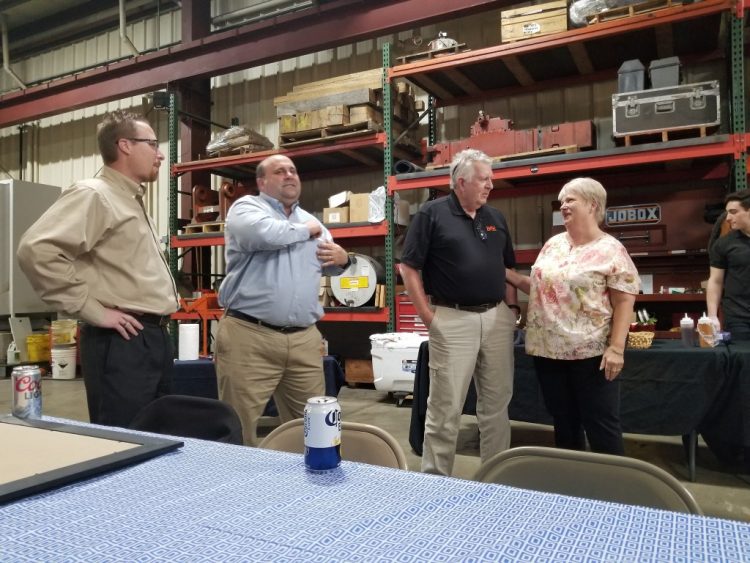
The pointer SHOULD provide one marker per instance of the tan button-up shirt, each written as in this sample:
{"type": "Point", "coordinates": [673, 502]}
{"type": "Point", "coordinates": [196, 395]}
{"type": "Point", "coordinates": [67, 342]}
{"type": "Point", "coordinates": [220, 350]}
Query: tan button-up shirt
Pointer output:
{"type": "Point", "coordinates": [96, 247]}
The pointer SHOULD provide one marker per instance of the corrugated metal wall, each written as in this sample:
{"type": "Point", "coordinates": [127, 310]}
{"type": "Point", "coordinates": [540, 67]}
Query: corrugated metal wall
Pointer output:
{"type": "Point", "coordinates": [61, 149]}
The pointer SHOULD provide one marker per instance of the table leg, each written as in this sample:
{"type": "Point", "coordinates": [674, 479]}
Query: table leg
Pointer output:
{"type": "Point", "coordinates": [690, 442]}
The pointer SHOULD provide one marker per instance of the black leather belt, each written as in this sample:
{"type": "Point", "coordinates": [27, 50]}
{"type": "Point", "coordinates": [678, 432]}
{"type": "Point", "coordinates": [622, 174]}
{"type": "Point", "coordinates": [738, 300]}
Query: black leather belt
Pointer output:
{"type": "Point", "coordinates": [244, 317]}
{"type": "Point", "coordinates": [481, 308]}
{"type": "Point", "coordinates": [151, 319]}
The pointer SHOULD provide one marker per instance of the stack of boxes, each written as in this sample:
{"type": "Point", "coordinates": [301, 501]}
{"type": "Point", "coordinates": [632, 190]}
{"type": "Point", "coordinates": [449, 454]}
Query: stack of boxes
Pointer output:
{"type": "Point", "coordinates": [347, 207]}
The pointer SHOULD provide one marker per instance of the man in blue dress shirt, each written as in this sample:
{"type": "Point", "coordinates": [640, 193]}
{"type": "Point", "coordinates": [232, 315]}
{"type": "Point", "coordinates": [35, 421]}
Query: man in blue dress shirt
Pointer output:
{"type": "Point", "coordinates": [267, 344]}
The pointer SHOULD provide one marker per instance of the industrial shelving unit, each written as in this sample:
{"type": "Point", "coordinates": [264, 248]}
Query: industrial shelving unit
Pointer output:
{"type": "Point", "coordinates": [314, 160]}
{"type": "Point", "coordinates": [591, 54]}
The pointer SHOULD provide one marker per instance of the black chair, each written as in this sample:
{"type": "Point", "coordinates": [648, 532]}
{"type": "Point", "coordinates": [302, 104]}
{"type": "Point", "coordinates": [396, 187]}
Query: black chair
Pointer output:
{"type": "Point", "coordinates": [190, 417]}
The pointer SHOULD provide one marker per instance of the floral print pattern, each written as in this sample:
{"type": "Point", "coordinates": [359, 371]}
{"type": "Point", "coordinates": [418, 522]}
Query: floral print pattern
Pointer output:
{"type": "Point", "coordinates": [570, 313]}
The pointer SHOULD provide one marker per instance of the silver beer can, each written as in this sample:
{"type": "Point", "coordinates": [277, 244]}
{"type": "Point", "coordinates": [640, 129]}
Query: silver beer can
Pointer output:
{"type": "Point", "coordinates": [322, 434]}
{"type": "Point", "coordinates": [27, 391]}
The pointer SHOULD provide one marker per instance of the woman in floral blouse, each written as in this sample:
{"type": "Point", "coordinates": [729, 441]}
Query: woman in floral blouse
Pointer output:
{"type": "Point", "coordinates": [581, 290]}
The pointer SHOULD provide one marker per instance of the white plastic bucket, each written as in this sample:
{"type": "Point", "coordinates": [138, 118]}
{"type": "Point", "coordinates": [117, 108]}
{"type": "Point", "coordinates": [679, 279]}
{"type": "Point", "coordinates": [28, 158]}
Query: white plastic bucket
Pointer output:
{"type": "Point", "coordinates": [63, 360]}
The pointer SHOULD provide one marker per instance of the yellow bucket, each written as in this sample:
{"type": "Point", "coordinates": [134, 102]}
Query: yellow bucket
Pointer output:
{"type": "Point", "coordinates": [37, 347]}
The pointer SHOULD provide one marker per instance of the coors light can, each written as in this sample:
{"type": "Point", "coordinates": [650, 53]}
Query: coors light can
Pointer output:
{"type": "Point", "coordinates": [27, 391]}
{"type": "Point", "coordinates": [322, 433]}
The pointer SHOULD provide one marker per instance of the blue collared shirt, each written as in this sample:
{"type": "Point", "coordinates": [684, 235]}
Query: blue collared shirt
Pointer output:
{"type": "Point", "coordinates": [273, 272]}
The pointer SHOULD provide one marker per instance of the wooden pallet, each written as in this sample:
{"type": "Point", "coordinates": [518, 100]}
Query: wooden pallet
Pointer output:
{"type": "Point", "coordinates": [533, 154]}
{"type": "Point", "coordinates": [519, 156]}
{"type": "Point", "coordinates": [193, 228]}
{"type": "Point", "coordinates": [332, 133]}
{"type": "Point", "coordinates": [664, 136]}
{"type": "Point", "coordinates": [458, 48]}
{"type": "Point", "coordinates": [633, 10]}
{"type": "Point", "coordinates": [245, 149]}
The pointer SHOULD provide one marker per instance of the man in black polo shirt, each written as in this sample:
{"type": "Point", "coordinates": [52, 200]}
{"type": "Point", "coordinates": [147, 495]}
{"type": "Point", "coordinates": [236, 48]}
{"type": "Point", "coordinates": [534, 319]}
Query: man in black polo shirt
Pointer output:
{"type": "Point", "coordinates": [729, 281]}
{"type": "Point", "coordinates": [462, 247]}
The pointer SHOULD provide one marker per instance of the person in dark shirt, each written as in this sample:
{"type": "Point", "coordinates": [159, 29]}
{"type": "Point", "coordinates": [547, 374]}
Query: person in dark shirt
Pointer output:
{"type": "Point", "coordinates": [729, 280]}
{"type": "Point", "coordinates": [462, 246]}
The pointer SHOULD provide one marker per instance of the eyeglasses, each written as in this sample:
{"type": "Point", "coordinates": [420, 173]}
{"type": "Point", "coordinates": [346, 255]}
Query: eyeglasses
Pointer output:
{"type": "Point", "coordinates": [153, 143]}
{"type": "Point", "coordinates": [481, 231]}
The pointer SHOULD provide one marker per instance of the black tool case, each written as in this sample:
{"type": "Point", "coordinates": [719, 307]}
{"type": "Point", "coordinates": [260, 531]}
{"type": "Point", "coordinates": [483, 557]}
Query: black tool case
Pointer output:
{"type": "Point", "coordinates": [666, 109]}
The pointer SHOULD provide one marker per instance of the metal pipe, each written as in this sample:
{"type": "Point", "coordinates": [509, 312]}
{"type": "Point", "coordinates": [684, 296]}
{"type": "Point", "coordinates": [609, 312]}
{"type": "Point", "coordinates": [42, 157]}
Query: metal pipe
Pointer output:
{"type": "Point", "coordinates": [6, 53]}
{"type": "Point", "coordinates": [123, 33]}
{"type": "Point", "coordinates": [257, 10]}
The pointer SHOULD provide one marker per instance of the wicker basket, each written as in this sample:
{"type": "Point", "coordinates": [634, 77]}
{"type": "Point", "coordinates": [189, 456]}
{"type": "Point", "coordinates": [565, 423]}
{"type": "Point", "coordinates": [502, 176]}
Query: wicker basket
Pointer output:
{"type": "Point", "coordinates": [640, 340]}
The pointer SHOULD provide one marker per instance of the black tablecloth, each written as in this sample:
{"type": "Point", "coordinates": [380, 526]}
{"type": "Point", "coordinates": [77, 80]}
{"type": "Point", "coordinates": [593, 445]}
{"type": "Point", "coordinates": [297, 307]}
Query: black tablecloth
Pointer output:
{"type": "Point", "coordinates": [666, 390]}
{"type": "Point", "coordinates": [198, 378]}
{"type": "Point", "coordinates": [726, 427]}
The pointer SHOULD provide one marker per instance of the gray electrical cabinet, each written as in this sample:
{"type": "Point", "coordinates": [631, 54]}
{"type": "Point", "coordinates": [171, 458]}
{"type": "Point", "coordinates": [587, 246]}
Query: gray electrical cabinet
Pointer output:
{"type": "Point", "coordinates": [21, 204]}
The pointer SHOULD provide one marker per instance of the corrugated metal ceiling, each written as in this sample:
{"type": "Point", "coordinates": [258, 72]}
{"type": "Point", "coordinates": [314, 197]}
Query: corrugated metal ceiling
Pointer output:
{"type": "Point", "coordinates": [36, 26]}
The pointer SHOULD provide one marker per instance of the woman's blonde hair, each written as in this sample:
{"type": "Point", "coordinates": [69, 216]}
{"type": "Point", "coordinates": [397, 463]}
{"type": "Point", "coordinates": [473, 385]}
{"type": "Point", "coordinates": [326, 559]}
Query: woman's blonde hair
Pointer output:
{"type": "Point", "coordinates": [590, 190]}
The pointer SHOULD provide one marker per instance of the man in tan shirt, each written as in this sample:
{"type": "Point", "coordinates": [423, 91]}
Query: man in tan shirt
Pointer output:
{"type": "Point", "coordinates": [95, 254]}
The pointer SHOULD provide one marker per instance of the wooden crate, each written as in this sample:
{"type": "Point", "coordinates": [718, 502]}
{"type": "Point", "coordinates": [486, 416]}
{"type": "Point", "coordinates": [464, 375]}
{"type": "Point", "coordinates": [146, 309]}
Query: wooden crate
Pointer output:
{"type": "Point", "coordinates": [533, 21]}
{"type": "Point", "coordinates": [313, 120]}
{"type": "Point", "coordinates": [358, 371]}
{"type": "Point", "coordinates": [363, 113]}
{"type": "Point", "coordinates": [324, 117]}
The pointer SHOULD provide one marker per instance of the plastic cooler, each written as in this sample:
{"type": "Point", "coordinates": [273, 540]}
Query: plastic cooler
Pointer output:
{"type": "Point", "coordinates": [394, 360]}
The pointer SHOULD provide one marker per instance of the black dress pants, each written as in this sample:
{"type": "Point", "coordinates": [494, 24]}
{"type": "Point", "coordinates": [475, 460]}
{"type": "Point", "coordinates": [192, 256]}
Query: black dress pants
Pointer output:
{"type": "Point", "coordinates": [123, 376]}
{"type": "Point", "coordinates": [579, 398]}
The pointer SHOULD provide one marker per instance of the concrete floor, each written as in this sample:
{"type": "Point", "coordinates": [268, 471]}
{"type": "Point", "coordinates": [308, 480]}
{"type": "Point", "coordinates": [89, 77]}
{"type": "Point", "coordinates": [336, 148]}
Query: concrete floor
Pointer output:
{"type": "Point", "coordinates": [719, 492]}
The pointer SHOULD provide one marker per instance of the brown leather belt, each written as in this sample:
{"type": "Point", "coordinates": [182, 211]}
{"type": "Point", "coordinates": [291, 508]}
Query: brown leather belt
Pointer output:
{"type": "Point", "coordinates": [250, 319]}
{"type": "Point", "coordinates": [481, 308]}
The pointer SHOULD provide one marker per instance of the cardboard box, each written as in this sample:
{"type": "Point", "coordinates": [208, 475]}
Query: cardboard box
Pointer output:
{"type": "Point", "coordinates": [359, 208]}
{"type": "Point", "coordinates": [339, 199]}
{"type": "Point", "coordinates": [287, 124]}
{"type": "Point", "coordinates": [533, 21]}
{"type": "Point", "coordinates": [336, 215]}
{"type": "Point", "coordinates": [358, 371]}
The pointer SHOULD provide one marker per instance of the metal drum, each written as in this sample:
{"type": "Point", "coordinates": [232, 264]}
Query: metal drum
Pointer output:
{"type": "Point", "coordinates": [356, 285]}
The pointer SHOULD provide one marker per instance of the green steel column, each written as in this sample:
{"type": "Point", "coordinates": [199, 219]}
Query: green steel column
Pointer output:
{"type": "Point", "coordinates": [390, 298]}
{"type": "Point", "coordinates": [173, 128]}
{"type": "Point", "coordinates": [737, 108]}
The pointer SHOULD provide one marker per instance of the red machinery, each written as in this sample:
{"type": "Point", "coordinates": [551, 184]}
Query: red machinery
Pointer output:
{"type": "Point", "coordinates": [231, 192]}
{"type": "Point", "coordinates": [205, 204]}
{"type": "Point", "coordinates": [211, 205]}
{"type": "Point", "coordinates": [495, 137]}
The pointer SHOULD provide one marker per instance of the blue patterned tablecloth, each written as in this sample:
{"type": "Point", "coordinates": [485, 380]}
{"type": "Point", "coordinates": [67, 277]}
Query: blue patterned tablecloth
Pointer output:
{"type": "Point", "coordinates": [216, 502]}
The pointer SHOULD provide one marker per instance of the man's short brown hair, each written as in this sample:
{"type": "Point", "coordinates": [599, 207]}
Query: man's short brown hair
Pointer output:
{"type": "Point", "coordinates": [116, 125]}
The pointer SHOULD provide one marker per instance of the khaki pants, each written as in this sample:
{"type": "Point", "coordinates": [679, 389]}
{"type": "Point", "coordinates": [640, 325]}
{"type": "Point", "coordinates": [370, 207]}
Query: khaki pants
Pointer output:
{"type": "Point", "coordinates": [465, 344]}
{"type": "Point", "coordinates": [254, 363]}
